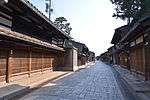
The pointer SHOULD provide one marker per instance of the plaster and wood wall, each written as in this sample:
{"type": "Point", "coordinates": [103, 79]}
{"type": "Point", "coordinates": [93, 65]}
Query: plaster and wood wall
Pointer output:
{"type": "Point", "coordinates": [70, 60]}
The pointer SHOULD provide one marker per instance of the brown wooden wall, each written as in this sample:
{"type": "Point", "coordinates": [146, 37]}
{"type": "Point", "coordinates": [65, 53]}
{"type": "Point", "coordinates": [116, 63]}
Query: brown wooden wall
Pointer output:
{"type": "Point", "coordinates": [59, 60]}
{"type": "Point", "coordinates": [47, 60]}
{"type": "Point", "coordinates": [147, 62]}
{"type": "Point", "coordinates": [117, 58]}
{"type": "Point", "coordinates": [42, 60]}
{"type": "Point", "coordinates": [137, 59]}
{"type": "Point", "coordinates": [36, 61]}
{"type": "Point", "coordinates": [20, 61]}
{"type": "Point", "coordinates": [3, 63]}
{"type": "Point", "coordinates": [23, 60]}
{"type": "Point", "coordinates": [123, 59]}
{"type": "Point", "coordinates": [81, 60]}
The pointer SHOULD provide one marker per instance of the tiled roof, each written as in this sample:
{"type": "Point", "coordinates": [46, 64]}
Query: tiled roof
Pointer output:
{"type": "Point", "coordinates": [33, 8]}
{"type": "Point", "coordinates": [29, 39]}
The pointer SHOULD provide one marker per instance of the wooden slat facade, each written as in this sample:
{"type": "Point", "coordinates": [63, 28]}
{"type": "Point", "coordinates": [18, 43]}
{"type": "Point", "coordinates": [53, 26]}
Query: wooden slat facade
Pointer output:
{"type": "Point", "coordinates": [29, 36]}
{"type": "Point", "coordinates": [137, 60]}
{"type": "Point", "coordinates": [3, 63]}
{"type": "Point", "coordinates": [147, 62]}
{"type": "Point", "coordinates": [82, 60]}
{"type": "Point", "coordinates": [20, 61]}
{"type": "Point", "coordinates": [138, 40]}
{"type": "Point", "coordinates": [26, 61]}
{"type": "Point", "coordinates": [123, 59]}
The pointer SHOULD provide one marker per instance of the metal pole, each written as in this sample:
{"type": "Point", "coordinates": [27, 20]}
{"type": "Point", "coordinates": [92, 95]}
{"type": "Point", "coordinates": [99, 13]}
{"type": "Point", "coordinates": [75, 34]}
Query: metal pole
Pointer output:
{"type": "Point", "coordinates": [49, 9]}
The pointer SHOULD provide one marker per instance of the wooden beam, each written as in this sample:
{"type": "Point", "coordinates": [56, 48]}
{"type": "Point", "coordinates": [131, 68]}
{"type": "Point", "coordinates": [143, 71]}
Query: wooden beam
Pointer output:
{"type": "Point", "coordinates": [30, 62]}
{"type": "Point", "coordinates": [9, 65]}
{"type": "Point", "coordinates": [147, 63]}
{"type": "Point", "coordinates": [51, 62]}
{"type": "Point", "coordinates": [27, 38]}
{"type": "Point", "coordinates": [146, 56]}
{"type": "Point", "coordinates": [42, 58]}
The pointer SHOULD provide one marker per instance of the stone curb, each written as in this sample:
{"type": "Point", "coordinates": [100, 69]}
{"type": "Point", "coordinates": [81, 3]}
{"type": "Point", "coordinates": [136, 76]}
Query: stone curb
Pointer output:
{"type": "Point", "coordinates": [125, 83]}
{"type": "Point", "coordinates": [14, 93]}
{"type": "Point", "coordinates": [139, 96]}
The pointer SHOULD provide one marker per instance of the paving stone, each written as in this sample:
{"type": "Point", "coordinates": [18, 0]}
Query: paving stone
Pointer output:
{"type": "Point", "coordinates": [93, 83]}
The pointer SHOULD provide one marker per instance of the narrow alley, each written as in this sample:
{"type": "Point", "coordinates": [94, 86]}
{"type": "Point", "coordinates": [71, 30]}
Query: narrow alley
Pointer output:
{"type": "Point", "coordinates": [97, 82]}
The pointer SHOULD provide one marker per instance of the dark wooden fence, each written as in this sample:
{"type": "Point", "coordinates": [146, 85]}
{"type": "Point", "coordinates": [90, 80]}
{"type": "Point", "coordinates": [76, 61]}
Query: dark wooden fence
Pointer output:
{"type": "Point", "coordinates": [16, 61]}
{"type": "Point", "coordinates": [123, 59]}
{"type": "Point", "coordinates": [137, 59]}
{"type": "Point", "coordinates": [3, 63]}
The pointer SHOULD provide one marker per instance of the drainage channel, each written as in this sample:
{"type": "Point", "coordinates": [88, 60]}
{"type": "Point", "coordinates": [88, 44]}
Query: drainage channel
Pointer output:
{"type": "Point", "coordinates": [126, 90]}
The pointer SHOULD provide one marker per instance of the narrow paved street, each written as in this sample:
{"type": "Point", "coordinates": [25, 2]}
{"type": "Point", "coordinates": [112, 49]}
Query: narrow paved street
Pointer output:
{"type": "Point", "coordinates": [94, 83]}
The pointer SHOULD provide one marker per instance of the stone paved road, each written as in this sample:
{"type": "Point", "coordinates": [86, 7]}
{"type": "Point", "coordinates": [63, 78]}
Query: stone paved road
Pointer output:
{"type": "Point", "coordinates": [94, 83]}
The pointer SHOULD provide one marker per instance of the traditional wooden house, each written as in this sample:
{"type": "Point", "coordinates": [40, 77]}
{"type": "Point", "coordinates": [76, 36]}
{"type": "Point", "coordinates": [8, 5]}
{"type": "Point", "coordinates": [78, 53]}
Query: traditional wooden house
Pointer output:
{"type": "Point", "coordinates": [29, 41]}
{"type": "Point", "coordinates": [112, 55]}
{"type": "Point", "coordinates": [70, 57]}
{"type": "Point", "coordinates": [91, 56]}
{"type": "Point", "coordinates": [139, 39]}
{"type": "Point", "coordinates": [120, 50]}
{"type": "Point", "coordinates": [105, 57]}
{"type": "Point", "coordinates": [82, 52]}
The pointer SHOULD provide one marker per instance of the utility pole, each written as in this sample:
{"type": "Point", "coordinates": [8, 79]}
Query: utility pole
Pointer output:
{"type": "Point", "coordinates": [48, 7]}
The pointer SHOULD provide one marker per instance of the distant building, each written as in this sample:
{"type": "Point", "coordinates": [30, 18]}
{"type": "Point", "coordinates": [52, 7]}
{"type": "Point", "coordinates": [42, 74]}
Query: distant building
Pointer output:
{"type": "Point", "coordinates": [82, 52]}
{"type": "Point", "coordinates": [120, 50]}
{"type": "Point", "coordinates": [106, 57]}
{"type": "Point", "coordinates": [91, 56]}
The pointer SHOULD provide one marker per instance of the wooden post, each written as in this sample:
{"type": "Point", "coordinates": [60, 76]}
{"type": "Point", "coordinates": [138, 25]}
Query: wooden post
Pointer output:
{"type": "Point", "coordinates": [51, 62]}
{"type": "Point", "coordinates": [128, 62]}
{"type": "Point", "coordinates": [62, 58]}
{"type": "Point", "coordinates": [146, 56]}
{"type": "Point", "coordinates": [30, 62]}
{"type": "Point", "coordinates": [146, 62]}
{"type": "Point", "coordinates": [42, 62]}
{"type": "Point", "coordinates": [9, 65]}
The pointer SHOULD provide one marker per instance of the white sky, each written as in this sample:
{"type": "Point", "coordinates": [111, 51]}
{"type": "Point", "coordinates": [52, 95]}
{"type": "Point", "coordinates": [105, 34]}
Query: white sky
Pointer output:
{"type": "Point", "coordinates": [91, 20]}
